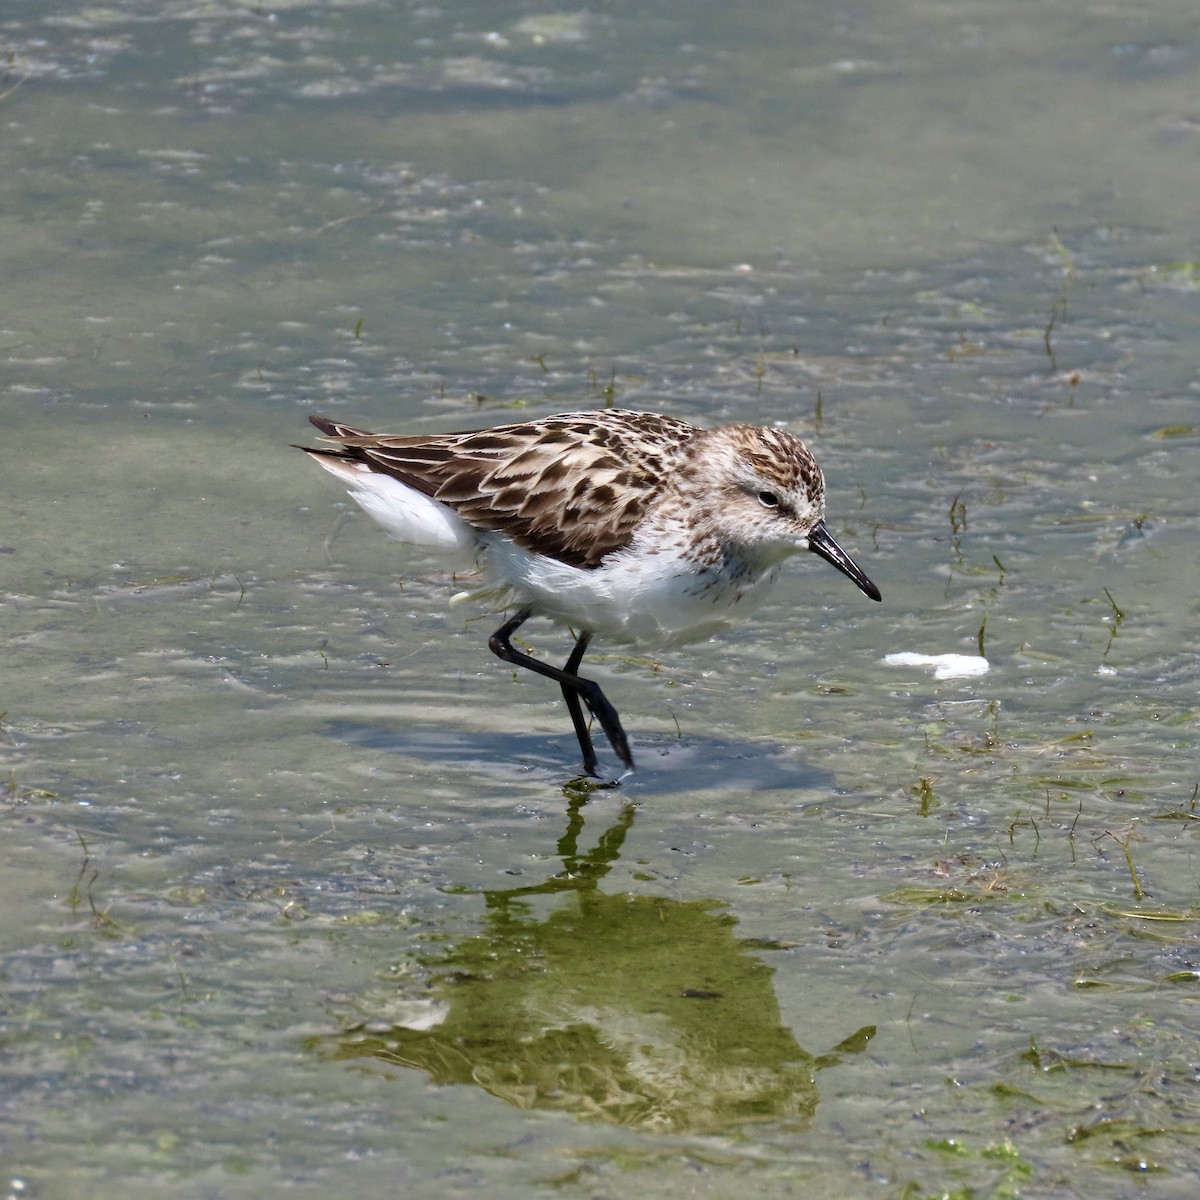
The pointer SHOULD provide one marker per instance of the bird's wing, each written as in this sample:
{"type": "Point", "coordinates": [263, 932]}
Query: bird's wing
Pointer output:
{"type": "Point", "coordinates": [572, 487]}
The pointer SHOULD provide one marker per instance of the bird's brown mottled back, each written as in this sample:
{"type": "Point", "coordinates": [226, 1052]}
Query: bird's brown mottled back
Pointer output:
{"type": "Point", "coordinates": [511, 478]}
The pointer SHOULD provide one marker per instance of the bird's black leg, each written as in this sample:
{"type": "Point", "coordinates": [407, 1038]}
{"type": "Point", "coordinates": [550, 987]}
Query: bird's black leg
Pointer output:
{"type": "Point", "coordinates": [575, 688]}
{"type": "Point", "coordinates": [571, 698]}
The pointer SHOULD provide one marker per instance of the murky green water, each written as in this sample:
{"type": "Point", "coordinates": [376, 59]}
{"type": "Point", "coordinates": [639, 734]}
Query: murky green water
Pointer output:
{"type": "Point", "coordinates": [296, 894]}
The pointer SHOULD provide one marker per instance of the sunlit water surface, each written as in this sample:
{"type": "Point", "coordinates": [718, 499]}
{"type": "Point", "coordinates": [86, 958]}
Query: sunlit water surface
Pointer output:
{"type": "Point", "coordinates": [298, 891]}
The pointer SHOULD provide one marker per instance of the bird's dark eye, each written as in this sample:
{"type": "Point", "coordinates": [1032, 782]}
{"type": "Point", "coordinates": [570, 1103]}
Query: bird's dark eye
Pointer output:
{"type": "Point", "coordinates": [768, 499]}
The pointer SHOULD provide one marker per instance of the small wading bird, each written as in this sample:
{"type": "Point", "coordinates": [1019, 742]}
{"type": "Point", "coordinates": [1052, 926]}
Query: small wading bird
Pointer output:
{"type": "Point", "coordinates": [627, 525]}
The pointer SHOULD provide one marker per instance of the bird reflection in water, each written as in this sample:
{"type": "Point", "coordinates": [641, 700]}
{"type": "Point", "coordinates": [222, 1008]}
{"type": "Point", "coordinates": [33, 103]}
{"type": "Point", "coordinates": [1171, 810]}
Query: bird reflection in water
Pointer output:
{"type": "Point", "coordinates": [640, 1011]}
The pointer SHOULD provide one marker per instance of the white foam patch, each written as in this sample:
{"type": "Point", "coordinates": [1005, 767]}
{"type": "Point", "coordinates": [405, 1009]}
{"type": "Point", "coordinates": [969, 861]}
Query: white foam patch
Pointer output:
{"type": "Point", "coordinates": [945, 666]}
{"type": "Point", "coordinates": [420, 1015]}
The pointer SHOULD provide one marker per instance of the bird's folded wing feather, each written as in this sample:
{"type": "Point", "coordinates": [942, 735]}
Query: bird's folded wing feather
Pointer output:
{"type": "Point", "coordinates": [566, 486]}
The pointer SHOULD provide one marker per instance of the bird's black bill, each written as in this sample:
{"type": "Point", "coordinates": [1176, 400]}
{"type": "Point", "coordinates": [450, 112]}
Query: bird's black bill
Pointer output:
{"type": "Point", "coordinates": [820, 541]}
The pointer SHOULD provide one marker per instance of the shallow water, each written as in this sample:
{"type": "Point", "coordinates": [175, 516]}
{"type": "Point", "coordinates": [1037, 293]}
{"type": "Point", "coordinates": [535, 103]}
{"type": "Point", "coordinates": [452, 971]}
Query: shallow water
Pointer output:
{"type": "Point", "coordinates": [299, 891]}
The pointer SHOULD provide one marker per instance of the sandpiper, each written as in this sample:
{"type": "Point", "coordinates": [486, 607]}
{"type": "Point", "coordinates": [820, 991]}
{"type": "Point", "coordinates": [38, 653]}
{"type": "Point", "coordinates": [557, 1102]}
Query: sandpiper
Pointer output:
{"type": "Point", "coordinates": [630, 526]}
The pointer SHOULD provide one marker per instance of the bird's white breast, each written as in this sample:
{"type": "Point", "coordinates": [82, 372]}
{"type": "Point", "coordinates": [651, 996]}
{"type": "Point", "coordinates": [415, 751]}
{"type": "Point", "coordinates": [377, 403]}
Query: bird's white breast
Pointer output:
{"type": "Point", "coordinates": [653, 600]}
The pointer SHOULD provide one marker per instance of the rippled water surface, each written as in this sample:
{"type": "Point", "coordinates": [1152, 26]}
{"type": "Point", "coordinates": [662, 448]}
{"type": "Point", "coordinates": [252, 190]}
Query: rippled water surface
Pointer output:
{"type": "Point", "coordinates": [299, 891]}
